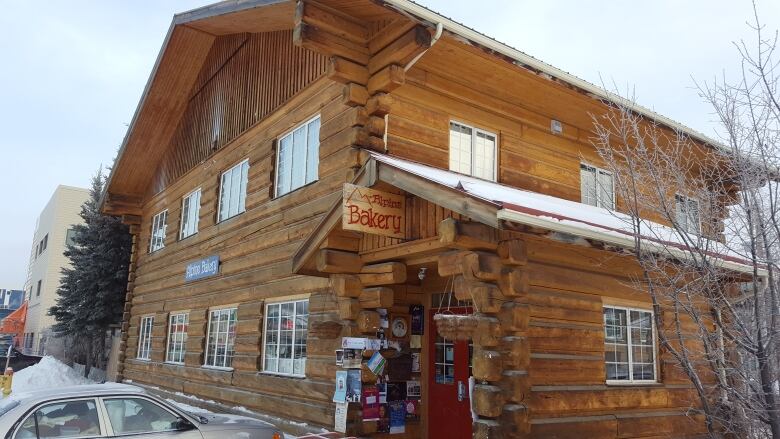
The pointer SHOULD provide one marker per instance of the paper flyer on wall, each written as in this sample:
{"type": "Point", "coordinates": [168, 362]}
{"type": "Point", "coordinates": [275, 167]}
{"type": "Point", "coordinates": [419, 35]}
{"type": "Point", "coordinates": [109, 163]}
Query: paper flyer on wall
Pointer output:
{"type": "Point", "coordinates": [397, 417]}
{"type": "Point", "coordinates": [370, 403]}
{"type": "Point", "coordinates": [340, 418]}
{"type": "Point", "coordinates": [376, 363]}
{"type": "Point", "coordinates": [353, 385]}
{"type": "Point", "coordinates": [340, 395]}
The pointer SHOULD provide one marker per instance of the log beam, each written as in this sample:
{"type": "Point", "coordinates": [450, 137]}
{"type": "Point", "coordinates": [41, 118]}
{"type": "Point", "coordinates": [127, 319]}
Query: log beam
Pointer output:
{"type": "Point", "coordinates": [377, 297]}
{"type": "Point", "coordinates": [345, 285]}
{"type": "Point", "coordinates": [467, 235]}
{"type": "Point", "coordinates": [346, 71]}
{"type": "Point", "coordinates": [335, 261]}
{"type": "Point", "coordinates": [387, 79]}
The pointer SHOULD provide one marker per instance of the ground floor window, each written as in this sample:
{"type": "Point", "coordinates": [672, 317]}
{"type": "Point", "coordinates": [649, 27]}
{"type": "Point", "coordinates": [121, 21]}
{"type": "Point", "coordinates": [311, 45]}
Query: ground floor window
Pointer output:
{"type": "Point", "coordinates": [145, 338]}
{"type": "Point", "coordinates": [177, 337]}
{"type": "Point", "coordinates": [286, 327]}
{"type": "Point", "coordinates": [221, 338]}
{"type": "Point", "coordinates": [630, 345]}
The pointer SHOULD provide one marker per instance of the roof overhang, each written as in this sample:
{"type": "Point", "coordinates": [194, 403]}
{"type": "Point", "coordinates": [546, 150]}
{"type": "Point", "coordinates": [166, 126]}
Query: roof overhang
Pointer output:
{"type": "Point", "coordinates": [501, 206]}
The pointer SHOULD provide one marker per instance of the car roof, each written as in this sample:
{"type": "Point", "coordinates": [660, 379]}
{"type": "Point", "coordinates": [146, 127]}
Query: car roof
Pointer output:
{"type": "Point", "coordinates": [85, 390]}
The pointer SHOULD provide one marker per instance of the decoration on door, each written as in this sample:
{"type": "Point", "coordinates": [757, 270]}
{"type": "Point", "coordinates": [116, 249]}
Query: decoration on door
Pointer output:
{"type": "Point", "coordinates": [372, 211]}
{"type": "Point", "coordinates": [417, 313]}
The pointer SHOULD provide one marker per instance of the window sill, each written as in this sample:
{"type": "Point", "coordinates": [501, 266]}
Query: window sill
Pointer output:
{"type": "Point", "coordinates": [281, 375]}
{"type": "Point", "coordinates": [634, 384]}
{"type": "Point", "coordinates": [218, 368]}
{"type": "Point", "coordinates": [174, 363]}
{"type": "Point", "coordinates": [182, 238]}
{"type": "Point", "coordinates": [279, 196]}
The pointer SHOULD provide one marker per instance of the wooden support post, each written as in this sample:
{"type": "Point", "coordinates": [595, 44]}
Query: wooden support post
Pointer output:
{"type": "Point", "coordinates": [349, 308]}
{"type": "Point", "coordinates": [486, 429]}
{"type": "Point", "coordinates": [488, 400]}
{"type": "Point", "coordinates": [481, 266]}
{"type": "Point", "coordinates": [383, 274]}
{"type": "Point", "coordinates": [466, 235]}
{"type": "Point", "coordinates": [513, 252]}
{"type": "Point", "coordinates": [380, 104]}
{"type": "Point", "coordinates": [517, 352]}
{"type": "Point", "coordinates": [514, 317]}
{"type": "Point", "coordinates": [450, 263]}
{"type": "Point", "coordinates": [345, 285]}
{"type": "Point", "coordinates": [368, 322]}
{"type": "Point", "coordinates": [387, 79]}
{"type": "Point", "coordinates": [355, 94]}
{"type": "Point", "coordinates": [487, 365]}
{"type": "Point", "coordinates": [335, 261]}
{"type": "Point", "coordinates": [514, 282]}
{"type": "Point", "coordinates": [377, 297]}
{"type": "Point", "coordinates": [488, 331]}
{"type": "Point", "coordinates": [487, 298]}
{"type": "Point", "coordinates": [516, 385]}
{"type": "Point", "coordinates": [515, 421]}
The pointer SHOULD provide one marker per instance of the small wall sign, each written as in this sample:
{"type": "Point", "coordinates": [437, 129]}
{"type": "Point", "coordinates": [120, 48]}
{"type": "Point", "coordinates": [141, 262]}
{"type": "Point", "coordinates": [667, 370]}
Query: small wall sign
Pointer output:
{"type": "Point", "coordinates": [372, 211]}
{"type": "Point", "coordinates": [202, 268]}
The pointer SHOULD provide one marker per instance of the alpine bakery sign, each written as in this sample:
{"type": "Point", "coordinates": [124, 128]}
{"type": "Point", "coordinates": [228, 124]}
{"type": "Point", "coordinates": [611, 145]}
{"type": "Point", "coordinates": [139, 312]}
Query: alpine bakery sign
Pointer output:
{"type": "Point", "coordinates": [371, 211]}
{"type": "Point", "coordinates": [202, 268]}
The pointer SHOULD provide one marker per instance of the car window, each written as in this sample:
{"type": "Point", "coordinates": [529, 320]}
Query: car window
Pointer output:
{"type": "Point", "coordinates": [138, 415]}
{"type": "Point", "coordinates": [67, 419]}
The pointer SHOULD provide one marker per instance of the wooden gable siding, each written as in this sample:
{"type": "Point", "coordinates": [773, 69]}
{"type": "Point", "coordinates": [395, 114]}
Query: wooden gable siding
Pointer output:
{"type": "Point", "coordinates": [244, 78]}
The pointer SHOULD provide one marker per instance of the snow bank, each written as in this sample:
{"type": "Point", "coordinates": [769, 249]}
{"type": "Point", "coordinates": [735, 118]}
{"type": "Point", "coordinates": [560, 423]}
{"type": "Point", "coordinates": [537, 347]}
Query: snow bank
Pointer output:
{"type": "Point", "coordinates": [48, 373]}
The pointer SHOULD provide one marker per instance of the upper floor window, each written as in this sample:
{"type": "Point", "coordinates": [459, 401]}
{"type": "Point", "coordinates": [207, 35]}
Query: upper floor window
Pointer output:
{"type": "Point", "coordinates": [70, 237]}
{"type": "Point", "coordinates": [232, 191]}
{"type": "Point", "coordinates": [145, 338]}
{"type": "Point", "coordinates": [298, 157]}
{"type": "Point", "coordinates": [286, 326]}
{"type": "Point", "coordinates": [43, 244]}
{"type": "Point", "coordinates": [472, 151]}
{"type": "Point", "coordinates": [159, 226]}
{"type": "Point", "coordinates": [597, 187]}
{"type": "Point", "coordinates": [38, 290]}
{"type": "Point", "coordinates": [221, 338]}
{"type": "Point", "coordinates": [687, 213]}
{"type": "Point", "coordinates": [190, 210]}
{"type": "Point", "coordinates": [630, 345]}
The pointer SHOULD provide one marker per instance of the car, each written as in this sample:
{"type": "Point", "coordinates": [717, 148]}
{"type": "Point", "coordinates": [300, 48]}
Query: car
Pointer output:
{"type": "Point", "coordinates": [112, 410]}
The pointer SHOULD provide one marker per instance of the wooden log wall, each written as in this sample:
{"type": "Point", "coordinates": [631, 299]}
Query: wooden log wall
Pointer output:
{"type": "Point", "coordinates": [244, 78]}
{"type": "Point", "coordinates": [255, 250]}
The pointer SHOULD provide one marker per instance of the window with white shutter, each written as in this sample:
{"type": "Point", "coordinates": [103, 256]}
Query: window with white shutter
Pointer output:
{"type": "Point", "coordinates": [597, 187]}
{"type": "Point", "coordinates": [472, 151]}
{"type": "Point", "coordinates": [298, 157]}
{"type": "Point", "coordinates": [190, 210]}
{"type": "Point", "coordinates": [232, 191]}
{"type": "Point", "coordinates": [159, 227]}
{"type": "Point", "coordinates": [687, 214]}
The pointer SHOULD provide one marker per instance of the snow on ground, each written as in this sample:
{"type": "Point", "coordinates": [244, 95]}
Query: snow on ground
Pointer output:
{"type": "Point", "coordinates": [48, 373]}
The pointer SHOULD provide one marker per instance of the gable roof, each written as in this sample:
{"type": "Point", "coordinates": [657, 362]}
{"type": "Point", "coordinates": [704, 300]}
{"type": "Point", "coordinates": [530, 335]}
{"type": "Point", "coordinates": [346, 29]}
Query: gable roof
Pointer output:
{"type": "Point", "coordinates": [192, 33]}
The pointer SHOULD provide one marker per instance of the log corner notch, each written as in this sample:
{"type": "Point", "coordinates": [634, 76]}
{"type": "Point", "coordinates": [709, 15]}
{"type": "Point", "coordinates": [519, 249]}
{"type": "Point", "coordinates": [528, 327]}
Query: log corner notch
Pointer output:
{"type": "Point", "coordinates": [491, 274]}
{"type": "Point", "coordinates": [369, 66]}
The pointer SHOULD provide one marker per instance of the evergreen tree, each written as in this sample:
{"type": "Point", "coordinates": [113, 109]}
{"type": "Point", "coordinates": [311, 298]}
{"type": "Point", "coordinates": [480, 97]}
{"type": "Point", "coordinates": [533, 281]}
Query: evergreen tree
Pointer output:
{"type": "Point", "coordinates": [92, 290]}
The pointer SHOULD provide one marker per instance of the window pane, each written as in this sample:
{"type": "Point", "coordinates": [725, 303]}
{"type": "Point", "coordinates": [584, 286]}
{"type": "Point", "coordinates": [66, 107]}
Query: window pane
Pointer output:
{"type": "Point", "coordinates": [235, 189]}
{"type": "Point", "coordinates": [242, 193]}
{"type": "Point", "coordinates": [70, 419]}
{"type": "Point", "coordinates": [221, 337]}
{"type": "Point", "coordinates": [588, 185]}
{"type": "Point", "coordinates": [629, 345]}
{"type": "Point", "coordinates": [137, 415]}
{"type": "Point", "coordinates": [285, 166]}
{"type": "Point", "coordinates": [484, 156]}
{"type": "Point", "coordinates": [460, 148]}
{"type": "Point", "coordinates": [285, 337]}
{"type": "Point", "coordinates": [606, 189]}
{"type": "Point", "coordinates": [313, 155]}
{"type": "Point", "coordinates": [224, 200]}
{"type": "Point", "coordinates": [299, 158]}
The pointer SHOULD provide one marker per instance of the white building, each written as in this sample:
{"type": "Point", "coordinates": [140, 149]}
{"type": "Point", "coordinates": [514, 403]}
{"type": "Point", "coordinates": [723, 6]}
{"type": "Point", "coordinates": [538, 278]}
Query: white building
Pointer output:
{"type": "Point", "coordinates": [53, 229]}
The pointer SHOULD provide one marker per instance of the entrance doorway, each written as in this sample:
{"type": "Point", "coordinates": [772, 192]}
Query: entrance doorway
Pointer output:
{"type": "Point", "coordinates": [449, 405]}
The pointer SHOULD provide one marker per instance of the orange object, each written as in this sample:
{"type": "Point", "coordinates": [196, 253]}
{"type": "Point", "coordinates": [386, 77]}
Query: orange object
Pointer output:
{"type": "Point", "coordinates": [14, 323]}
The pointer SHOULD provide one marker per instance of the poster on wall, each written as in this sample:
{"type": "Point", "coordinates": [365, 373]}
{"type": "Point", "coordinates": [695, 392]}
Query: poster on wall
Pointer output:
{"type": "Point", "coordinates": [340, 395]}
{"type": "Point", "coordinates": [376, 363]}
{"type": "Point", "coordinates": [370, 403]}
{"type": "Point", "coordinates": [413, 389]}
{"type": "Point", "coordinates": [351, 358]}
{"type": "Point", "coordinates": [339, 357]}
{"type": "Point", "coordinates": [353, 385]}
{"type": "Point", "coordinates": [340, 418]}
{"type": "Point", "coordinates": [415, 362]}
{"type": "Point", "coordinates": [412, 409]}
{"type": "Point", "coordinates": [397, 417]}
{"type": "Point", "coordinates": [383, 423]}
{"type": "Point", "coordinates": [417, 314]}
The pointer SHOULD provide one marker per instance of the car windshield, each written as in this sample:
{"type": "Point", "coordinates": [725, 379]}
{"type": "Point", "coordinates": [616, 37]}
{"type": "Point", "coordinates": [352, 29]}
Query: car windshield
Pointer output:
{"type": "Point", "coordinates": [6, 404]}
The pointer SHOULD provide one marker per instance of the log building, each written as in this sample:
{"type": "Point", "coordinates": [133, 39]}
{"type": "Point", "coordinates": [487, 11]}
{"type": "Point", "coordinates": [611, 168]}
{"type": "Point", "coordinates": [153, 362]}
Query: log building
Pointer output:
{"type": "Point", "coordinates": [303, 176]}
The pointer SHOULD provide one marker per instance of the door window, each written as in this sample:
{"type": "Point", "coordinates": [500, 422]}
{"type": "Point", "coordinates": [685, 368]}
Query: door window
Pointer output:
{"type": "Point", "coordinates": [68, 419]}
{"type": "Point", "coordinates": [138, 415]}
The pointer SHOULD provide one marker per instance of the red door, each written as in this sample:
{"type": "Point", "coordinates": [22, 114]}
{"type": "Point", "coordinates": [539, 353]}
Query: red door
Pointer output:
{"type": "Point", "coordinates": [449, 406]}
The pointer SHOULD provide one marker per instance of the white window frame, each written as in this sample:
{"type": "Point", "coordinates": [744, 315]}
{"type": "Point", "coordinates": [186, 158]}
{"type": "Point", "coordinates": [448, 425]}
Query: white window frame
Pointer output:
{"type": "Point", "coordinates": [631, 379]}
{"type": "Point", "coordinates": [245, 184]}
{"type": "Point", "coordinates": [160, 220]}
{"type": "Point", "coordinates": [227, 336]}
{"type": "Point", "coordinates": [599, 201]}
{"type": "Point", "coordinates": [687, 226]}
{"type": "Point", "coordinates": [194, 229]}
{"type": "Point", "coordinates": [144, 351]}
{"type": "Point", "coordinates": [474, 132]}
{"type": "Point", "coordinates": [182, 337]}
{"type": "Point", "coordinates": [278, 170]}
{"type": "Point", "coordinates": [278, 331]}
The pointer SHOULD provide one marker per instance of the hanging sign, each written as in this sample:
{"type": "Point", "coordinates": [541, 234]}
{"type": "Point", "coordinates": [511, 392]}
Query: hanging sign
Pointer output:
{"type": "Point", "coordinates": [202, 268]}
{"type": "Point", "coordinates": [372, 211]}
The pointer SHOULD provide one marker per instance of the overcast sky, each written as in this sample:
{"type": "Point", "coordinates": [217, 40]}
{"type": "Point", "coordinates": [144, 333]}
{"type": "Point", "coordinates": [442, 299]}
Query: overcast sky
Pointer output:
{"type": "Point", "coordinates": [71, 74]}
